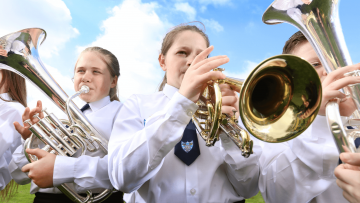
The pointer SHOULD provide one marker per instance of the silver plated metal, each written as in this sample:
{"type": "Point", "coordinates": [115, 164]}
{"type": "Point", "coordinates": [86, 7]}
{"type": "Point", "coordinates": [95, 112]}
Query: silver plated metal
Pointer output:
{"type": "Point", "coordinates": [319, 21]}
{"type": "Point", "coordinates": [22, 57]}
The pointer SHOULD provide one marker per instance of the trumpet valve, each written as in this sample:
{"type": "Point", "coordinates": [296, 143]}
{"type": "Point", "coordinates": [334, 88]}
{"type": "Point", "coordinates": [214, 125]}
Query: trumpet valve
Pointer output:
{"type": "Point", "coordinates": [44, 110]}
{"type": "Point", "coordinates": [46, 148]}
{"type": "Point", "coordinates": [219, 69]}
{"type": "Point", "coordinates": [37, 116]}
{"type": "Point", "coordinates": [234, 118]}
{"type": "Point", "coordinates": [28, 122]}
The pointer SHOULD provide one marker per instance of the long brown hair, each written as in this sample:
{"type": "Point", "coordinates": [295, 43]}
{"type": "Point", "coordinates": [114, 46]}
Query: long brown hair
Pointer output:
{"type": "Point", "coordinates": [169, 40]}
{"type": "Point", "coordinates": [15, 86]}
{"type": "Point", "coordinates": [112, 64]}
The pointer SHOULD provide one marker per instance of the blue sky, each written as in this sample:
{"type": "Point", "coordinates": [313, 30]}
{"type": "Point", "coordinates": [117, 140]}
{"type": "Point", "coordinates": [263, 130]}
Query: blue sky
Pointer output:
{"type": "Point", "coordinates": [133, 30]}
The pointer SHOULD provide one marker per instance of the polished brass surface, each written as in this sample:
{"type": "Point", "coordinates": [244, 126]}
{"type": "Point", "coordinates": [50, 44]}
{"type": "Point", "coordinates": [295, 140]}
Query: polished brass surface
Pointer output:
{"type": "Point", "coordinates": [278, 101]}
{"type": "Point", "coordinates": [319, 21]}
{"type": "Point", "coordinates": [23, 59]}
{"type": "Point", "coordinates": [280, 98]}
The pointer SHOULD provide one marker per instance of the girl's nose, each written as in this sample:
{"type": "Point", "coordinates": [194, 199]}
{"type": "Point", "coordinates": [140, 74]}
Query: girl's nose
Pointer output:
{"type": "Point", "coordinates": [190, 60]}
{"type": "Point", "coordinates": [86, 77]}
{"type": "Point", "coordinates": [324, 73]}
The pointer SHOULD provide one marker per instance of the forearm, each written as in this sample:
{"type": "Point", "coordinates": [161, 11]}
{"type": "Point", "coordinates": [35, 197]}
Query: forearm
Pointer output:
{"type": "Point", "coordinates": [18, 161]}
{"type": "Point", "coordinates": [85, 171]}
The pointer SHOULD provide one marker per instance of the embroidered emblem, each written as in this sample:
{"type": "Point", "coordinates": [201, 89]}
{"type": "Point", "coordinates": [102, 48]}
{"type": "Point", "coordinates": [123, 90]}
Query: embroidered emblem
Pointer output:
{"type": "Point", "coordinates": [187, 146]}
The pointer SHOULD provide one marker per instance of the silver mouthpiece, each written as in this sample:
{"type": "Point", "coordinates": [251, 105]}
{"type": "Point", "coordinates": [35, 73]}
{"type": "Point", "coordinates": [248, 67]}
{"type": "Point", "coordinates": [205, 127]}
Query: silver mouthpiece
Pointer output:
{"type": "Point", "coordinates": [84, 89]}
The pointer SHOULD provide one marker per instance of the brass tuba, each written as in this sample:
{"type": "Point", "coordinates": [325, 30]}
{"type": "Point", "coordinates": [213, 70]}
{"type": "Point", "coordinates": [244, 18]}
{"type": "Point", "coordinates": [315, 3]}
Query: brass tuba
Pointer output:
{"type": "Point", "coordinates": [319, 21]}
{"type": "Point", "coordinates": [278, 101]}
{"type": "Point", "coordinates": [61, 137]}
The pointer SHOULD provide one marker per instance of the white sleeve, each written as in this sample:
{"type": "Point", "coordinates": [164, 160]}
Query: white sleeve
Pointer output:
{"type": "Point", "coordinates": [9, 137]}
{"type": "Point", "coordinates": [243, 173]}
{"type": "Point", "coordinates": [5, 176]}
{"type": "Point", "coordinates": [18, 161]}
{"type": "Point", "coordinates": [136, 152]}
{"type": "Point", "coordinates": [304, 165]}
{"type": "Point", "coordinates": [85, 171]}
{"type": "Point", "coordinates": [9, 140]}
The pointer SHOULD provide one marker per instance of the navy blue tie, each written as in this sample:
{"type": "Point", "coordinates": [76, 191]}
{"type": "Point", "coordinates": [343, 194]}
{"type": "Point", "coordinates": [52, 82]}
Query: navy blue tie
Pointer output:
{"type": "Point", "coordinates": [86, 106]}
{"type": "Point", "coordinates": [187, 150]}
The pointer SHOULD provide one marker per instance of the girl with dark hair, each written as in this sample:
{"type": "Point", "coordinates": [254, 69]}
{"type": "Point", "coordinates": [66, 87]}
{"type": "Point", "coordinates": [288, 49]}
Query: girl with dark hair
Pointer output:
{"type": "Point", "coordinates": [12, 104]}
{"type": "Point", "coordinates": [98, 69]}
{"type": "Point", "coordinates": [154, 149]}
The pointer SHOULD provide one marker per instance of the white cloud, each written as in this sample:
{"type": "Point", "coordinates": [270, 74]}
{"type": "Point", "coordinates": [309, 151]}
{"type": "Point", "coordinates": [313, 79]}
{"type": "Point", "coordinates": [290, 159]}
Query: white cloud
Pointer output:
{"type": "Point", "coordinates": [213, 25]}
{"type": "Point", "coordinates": [249, 66]}
{"type": "Point", "coordinates": [134, 34]}
{"type": "Point", "coordinates": [34, 93]}
{"type": "Point", "coordinates": [203, 9]}
{"type": "Point", "coordinates": [205, 3]}
{"type": "Point", "coordinates": [51, 15]}
{"type": "Point", "coordinates": [187, 9]}
{"type": "Point", "coordinates": [215, 2]}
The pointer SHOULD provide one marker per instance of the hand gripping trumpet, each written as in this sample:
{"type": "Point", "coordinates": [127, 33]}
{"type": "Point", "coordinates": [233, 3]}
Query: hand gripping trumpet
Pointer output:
{"type": "Point", "coordinates": [319, 21]}
{"type": "Point", "coordinates": [61, 137]}
{"type": "Point", "coordinates": [278, 101]}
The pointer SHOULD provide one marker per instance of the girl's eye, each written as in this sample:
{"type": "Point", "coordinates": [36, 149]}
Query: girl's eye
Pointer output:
{"type": "Point", "coordinates": [80, 71]}
{"type": "Point", "coordinates": [95, 71]}
{"type": "Point", "coordinates": [182, 53]}
{"type": "Point", "coordinates": [316, 64]}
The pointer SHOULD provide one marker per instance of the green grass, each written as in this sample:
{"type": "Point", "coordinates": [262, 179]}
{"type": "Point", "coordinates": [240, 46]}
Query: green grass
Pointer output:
{"type": "Point", "coordinates": [23, 196]}
{"type": "Point", "coordinates": [256, 199]}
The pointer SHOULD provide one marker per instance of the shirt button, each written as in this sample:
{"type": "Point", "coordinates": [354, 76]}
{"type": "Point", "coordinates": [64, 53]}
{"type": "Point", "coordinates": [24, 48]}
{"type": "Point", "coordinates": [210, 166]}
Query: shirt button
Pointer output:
{"type": "Point", "coordinates": [193, 191]}
{"type": "Point", "coordinates": [189, 113]}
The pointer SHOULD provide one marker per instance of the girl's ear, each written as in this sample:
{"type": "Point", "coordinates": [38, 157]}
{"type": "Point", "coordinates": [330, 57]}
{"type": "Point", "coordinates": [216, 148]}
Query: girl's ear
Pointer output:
{"type": "Point", "coordinates": [114, 82]}
{"type": "Point", "coordinates": [162, 62]}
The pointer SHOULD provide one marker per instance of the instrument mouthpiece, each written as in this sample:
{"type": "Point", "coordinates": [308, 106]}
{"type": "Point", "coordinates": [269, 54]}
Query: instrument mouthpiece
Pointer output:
{"type": "Point", "coordinates": [84, 89]}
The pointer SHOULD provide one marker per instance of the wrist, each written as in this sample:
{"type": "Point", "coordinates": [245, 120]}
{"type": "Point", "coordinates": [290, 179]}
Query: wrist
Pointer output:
{"type": "Point", "coordinates": [190, 97]}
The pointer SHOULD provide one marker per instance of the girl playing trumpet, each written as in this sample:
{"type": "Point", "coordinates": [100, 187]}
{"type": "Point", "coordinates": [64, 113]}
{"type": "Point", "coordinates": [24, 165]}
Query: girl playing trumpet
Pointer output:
{"type": "Point", "coordinates": [159, 153]}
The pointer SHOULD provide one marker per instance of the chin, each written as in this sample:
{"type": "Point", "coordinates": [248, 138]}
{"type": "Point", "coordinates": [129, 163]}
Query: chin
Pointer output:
{"type": "Point", "coordinates": [86, 98]}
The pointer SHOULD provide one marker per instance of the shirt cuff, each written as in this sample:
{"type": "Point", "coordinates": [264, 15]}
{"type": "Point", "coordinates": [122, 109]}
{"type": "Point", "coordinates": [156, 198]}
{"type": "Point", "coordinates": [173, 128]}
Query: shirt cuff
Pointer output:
{"type": "Point", "coordinates": [181, 108]}
{"type": "Point", "coordinates": [64, 170]}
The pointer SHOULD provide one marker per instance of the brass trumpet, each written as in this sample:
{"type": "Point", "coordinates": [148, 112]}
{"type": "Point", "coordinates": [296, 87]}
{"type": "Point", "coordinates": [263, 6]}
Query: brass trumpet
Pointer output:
{"type": "Point", "coordinates": [278, 101]}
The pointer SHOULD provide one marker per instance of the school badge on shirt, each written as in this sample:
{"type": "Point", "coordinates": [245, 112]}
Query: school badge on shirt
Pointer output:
{"type": "Point", "coordinates": [187, 146]}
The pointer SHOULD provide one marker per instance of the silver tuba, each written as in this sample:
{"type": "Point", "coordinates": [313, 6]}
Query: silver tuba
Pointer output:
{"type": "Point", "coordinates": [61, 137]}
{"type": "Point", "coordinates": [319, 21]}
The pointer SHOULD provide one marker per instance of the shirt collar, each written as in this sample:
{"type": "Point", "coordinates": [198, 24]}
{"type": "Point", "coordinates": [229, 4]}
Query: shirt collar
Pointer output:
{"type": "Point", "coordinates": [169, 90]}
{"type": "Point", "coordinates": [5, 96]}
{"type": "Point", "coordinates": [99, 104]}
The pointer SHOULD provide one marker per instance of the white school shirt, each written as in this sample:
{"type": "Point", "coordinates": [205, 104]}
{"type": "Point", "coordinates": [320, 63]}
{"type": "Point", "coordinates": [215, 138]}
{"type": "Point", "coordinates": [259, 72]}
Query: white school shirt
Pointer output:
{"type": "Point", "coordinates": [10, 139]}
{"type": "Point", "coordinates": [302, 169]}
{"type": "Point", "coordinates": [141, 155]}
{"type": "Point", "coordinates": [86, 172]}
